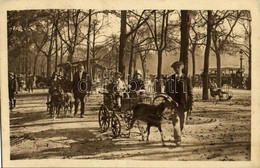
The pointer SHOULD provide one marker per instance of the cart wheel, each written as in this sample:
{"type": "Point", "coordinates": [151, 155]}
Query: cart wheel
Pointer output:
{"type": "Point", "coordinates": [103, 118]}
{"type": "Point", "coordinates": [115, 125]}
{"type": "Point", "coordinates": [127, 118]}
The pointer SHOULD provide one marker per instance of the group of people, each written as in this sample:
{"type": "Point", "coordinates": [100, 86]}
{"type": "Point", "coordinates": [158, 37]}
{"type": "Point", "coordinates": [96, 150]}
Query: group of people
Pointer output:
{"type": "Point", "coordinates": [15, 84]}
{"type": "Point", "coordinates": [121, 89]}
{"type": "Point", "coordinates": [80, 87]}
{"type": "Point", "coordinates": [178, 86]}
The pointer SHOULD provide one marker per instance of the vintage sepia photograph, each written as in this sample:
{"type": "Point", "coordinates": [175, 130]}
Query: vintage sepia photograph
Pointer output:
{"type": "Point", "coordinates": [145, 84]}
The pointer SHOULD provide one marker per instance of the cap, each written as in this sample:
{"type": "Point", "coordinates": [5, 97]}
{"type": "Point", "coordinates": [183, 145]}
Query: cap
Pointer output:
{"type": "Point", "coordinates": [177, 63]}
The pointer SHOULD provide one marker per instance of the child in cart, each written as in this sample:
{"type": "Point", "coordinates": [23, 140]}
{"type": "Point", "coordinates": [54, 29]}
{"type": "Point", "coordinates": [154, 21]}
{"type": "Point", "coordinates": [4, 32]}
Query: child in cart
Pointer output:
{"type": "Point", "coordinates": [120, 89]}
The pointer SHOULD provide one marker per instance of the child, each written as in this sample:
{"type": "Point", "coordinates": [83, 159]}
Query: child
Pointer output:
{"type": "Point", "coordinates": [119, 89]}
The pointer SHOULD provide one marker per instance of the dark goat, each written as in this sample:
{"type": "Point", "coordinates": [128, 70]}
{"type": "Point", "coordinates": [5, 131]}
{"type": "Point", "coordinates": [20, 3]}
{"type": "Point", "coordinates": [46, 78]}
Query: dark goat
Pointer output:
{"type": "Point", "coordinates": [152, 114]}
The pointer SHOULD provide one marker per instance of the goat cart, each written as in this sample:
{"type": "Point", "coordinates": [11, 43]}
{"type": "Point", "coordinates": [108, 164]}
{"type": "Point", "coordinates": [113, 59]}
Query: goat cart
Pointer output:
{"type": "Point", "coordinates": [110, 115]}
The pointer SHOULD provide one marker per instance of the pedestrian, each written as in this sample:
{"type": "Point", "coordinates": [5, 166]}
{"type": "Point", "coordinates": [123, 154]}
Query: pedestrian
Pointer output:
{"type": "Point", "coordinates": [55, 83]}
{"type": "Point", "coordinates": [136, 84]}
{"type": "Point", "coordinates": [66, 84]}
{"type": "Point", "coordinates": [179, 88]}
{"type": "Point", "coordinates": [55, 92]}
{"type": "Point", "coordinates": [12, 85]}
{"type": "Point", "coordinates": [216, 90]}
{"type": "Point", "coordinates": [30, 81]}
{"type": "Point", "coordinates": [81, 86]}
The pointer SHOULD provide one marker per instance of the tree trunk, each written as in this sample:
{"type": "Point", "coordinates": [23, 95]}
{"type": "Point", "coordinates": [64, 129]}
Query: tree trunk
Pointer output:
{"type": "Point", "coordinates": [205, 75]}
{"type": "Point", "coordinates": [48, 66]}
{"type": "Point", "coordinates": [50, 53]}
{"type": "Point", "coordinates": [134, 62]}
{"type": "Point", "coordinates": [159, 72]}
{"type": "Point", "coordinates": [61, 50]}
{"type": "Point", "coordinates": [56, 41]}
{"type": "Point", "coordinates": [130, 68]}
{"type": "Point", "coordinates": [249, 57]}
{"type": "Point", "coordinates": [88, 40]}
{"type": "Point", "coordinates": [193, 65]}
{"type": "Point", "coordinates": [185, 27]}
{"type": "Point", "coordinates": [143, 62]}
{"type": "Point", "coordinates": [70, 55]}
{"type": "Point", "coordinates": [35, 62]}
{"type": "Point", "coordinates": [121, 62]}
{"type": "Point", "coordinates": [219, 73]}
{"type": "Point", "coordinates": [56, 48]}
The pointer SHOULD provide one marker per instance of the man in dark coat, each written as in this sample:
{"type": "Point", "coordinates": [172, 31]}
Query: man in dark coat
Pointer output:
{"type": "Point", "coordinates": [81, 85]}
{"type": "Point", "coordinates": [179, 88]}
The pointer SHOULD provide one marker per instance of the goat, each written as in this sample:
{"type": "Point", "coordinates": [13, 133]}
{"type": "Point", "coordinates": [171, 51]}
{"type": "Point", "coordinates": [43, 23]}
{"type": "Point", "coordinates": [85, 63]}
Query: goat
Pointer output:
{"type": "Point", "coordinates": [67, 102]}
{"type": "Point", "coordinates": [152, 114]}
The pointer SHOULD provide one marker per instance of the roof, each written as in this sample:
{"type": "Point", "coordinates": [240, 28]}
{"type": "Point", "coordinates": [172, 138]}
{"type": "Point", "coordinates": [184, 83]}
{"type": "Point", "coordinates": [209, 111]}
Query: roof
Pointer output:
{"type": "Point", "coordinates": [226, 68]}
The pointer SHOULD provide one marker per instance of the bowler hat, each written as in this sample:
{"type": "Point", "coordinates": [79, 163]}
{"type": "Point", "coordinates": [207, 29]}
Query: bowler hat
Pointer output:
{"type": "Point", "coordinates": [177, 63]}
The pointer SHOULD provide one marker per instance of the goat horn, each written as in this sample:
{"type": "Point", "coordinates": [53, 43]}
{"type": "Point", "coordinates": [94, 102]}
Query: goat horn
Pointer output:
{"type": "Point", "coordinates": [165, 97]}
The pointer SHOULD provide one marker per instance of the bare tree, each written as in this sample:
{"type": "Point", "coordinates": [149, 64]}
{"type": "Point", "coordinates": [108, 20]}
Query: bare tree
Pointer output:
{"type": "Point", "coordinates": [73, 19]}
{"type": "Point", "coordinates": [205, 73]}
{"type": "Point", "coordinates": [124, 36]}
{"type": "Point", "coordinates": [246, 47]}
{"type": "Point", "coordinates": [196, 39]}
{"type": "Point", "coordinates": [160, 39]}
{"type": "Point", "coordinates": [185, 27]}
{"type": "Point", "coordinates": [221, 36]}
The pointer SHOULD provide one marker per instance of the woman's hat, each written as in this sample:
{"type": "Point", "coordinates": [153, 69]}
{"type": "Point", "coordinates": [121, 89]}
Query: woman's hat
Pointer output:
{"type": "Point", "coordinates": [177, 63]}
{"type": "Point", "coordinates": [11, 74]}
{"type": "Point", "coordinates": [119, 74]}
{"type": "Point", "coordinates": [138, 71]}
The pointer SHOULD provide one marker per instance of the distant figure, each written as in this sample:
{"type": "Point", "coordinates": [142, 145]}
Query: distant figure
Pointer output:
{"type": "Point", "coordinates": [30, 82]}
{"type": "Point", "coordinates": [81, 86]}
{"type": "Point", "coordinates": [215, 89]}
{"type": "Point", "coordinates": [12, 85]}
{"type": "Point", "coordinates": [136, 83]}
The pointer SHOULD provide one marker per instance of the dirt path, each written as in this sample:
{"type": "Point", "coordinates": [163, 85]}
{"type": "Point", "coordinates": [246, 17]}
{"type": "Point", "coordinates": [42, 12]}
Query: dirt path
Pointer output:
{"type": "Point", "coordinates": [213, 132]}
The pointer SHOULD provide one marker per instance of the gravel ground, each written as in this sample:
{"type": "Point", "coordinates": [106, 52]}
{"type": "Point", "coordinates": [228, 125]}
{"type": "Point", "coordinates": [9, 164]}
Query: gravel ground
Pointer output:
{"type": "Point", "coordinates": [219, 132]}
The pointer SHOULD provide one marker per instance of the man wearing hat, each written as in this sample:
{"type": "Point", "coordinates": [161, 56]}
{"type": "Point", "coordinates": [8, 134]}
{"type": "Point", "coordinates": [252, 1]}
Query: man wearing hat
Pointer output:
{"type": "Point", "coordinates": [12, 89]}
{"type": "Point", "coordinates": [179, 88]}
{"type": "Point", "coordinates": [81, 85]}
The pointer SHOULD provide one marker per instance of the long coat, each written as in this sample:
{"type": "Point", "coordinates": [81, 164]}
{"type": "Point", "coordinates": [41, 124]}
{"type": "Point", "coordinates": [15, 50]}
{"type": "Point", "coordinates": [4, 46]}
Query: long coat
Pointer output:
{"type": "Point", "coordinates": [81, 86]}
{"type": "Point", "coordinates": [180, 90]}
